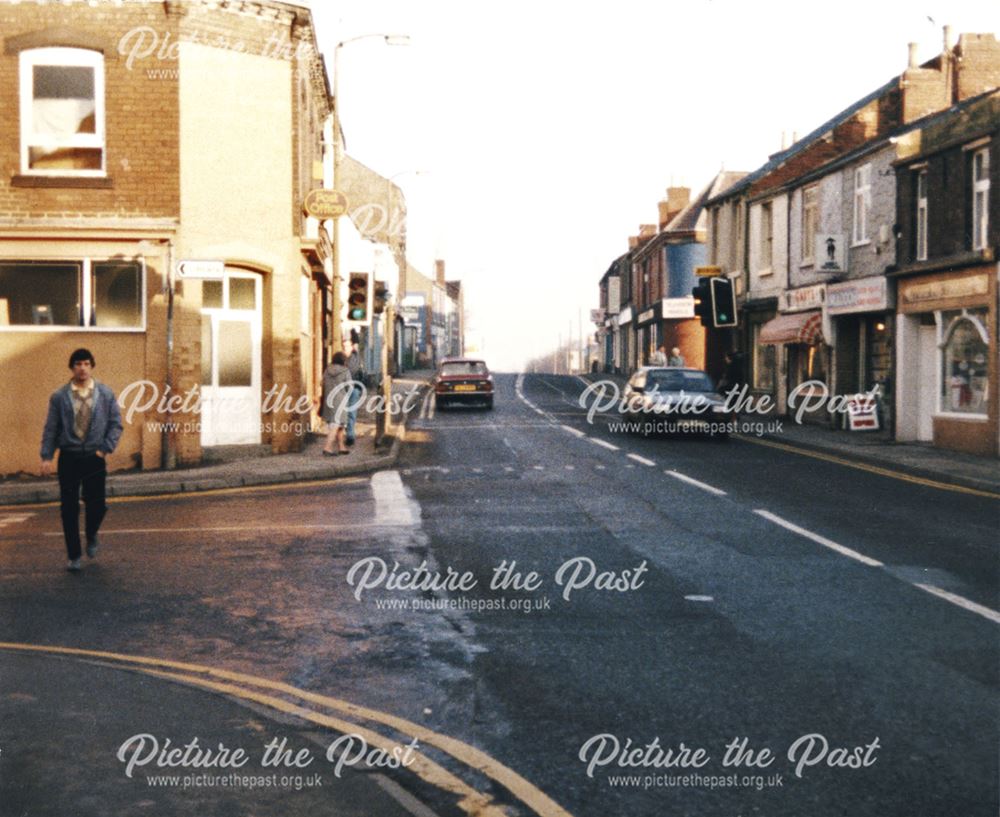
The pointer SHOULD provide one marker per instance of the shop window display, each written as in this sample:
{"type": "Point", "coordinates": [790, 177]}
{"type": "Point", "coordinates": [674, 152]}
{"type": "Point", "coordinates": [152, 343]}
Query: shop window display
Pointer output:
{"type": "Point", "coordinates": [965, 362]}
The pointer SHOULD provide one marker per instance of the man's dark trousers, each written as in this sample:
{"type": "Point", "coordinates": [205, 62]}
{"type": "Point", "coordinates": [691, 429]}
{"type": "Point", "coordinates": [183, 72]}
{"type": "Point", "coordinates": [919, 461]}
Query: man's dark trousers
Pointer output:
{"type": "Point", "coordinates": [78, 469]}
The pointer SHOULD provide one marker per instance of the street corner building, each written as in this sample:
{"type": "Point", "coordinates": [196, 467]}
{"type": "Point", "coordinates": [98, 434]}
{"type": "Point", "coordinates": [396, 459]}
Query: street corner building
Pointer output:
{"type": "Point", "coordinates": [155, 160]}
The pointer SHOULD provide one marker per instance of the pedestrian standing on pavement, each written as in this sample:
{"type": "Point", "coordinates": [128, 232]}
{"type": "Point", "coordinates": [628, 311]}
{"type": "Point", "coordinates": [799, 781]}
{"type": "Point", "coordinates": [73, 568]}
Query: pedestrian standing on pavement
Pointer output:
{"type": "Point", "coordinates": [659, 357]}
{"type": "Point", "coordinates": [357, 376]}
{"type": "Point", "coordinates": [84, 423]}
{"type": "Point", "coordinates": [335, 397]}
{"type": "Point", "coordinates": [732, 375]}
{"type": "Point", "coordinates": [676, 358]}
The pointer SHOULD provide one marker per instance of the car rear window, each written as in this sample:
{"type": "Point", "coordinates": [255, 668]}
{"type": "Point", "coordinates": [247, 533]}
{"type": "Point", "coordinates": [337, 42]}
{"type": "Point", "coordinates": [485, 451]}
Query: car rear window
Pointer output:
{"type": "Point", "coordinates": [464, 367]}
{"type": "Point", "coordinates": [679, 380]}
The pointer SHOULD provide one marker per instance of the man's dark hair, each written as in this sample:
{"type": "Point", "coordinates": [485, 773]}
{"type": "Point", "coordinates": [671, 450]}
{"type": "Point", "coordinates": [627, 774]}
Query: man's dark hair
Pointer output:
{"type": "Point", "coordinates": [339, 359]}
{"type": "Point", "coordinates": [81, 354]}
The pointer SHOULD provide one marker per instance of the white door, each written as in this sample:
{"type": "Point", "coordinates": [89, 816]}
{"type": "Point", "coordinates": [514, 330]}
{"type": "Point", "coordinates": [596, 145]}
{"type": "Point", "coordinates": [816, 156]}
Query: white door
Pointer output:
{"type": "Point", "coordinates": [230, 359]}
{"type": "Point", "coordinates": [927, 382]}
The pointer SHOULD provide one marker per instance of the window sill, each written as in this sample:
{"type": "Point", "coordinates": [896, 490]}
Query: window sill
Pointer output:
{"type": "Point", "coordinates": [957, 415]}
{"type": "Point", "coordinates": [77, 182]}
{"type": "Point", "coordinates": [864, 243]}
{"type": "Point", "coordinates": [807, 262]}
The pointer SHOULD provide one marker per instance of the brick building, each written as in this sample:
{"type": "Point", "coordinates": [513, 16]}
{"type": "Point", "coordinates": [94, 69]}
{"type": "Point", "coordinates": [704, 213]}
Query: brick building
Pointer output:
{"type": "Point", "coordinates": [141, 136]}
{"type": "Point", "coordinates": [946, 273]}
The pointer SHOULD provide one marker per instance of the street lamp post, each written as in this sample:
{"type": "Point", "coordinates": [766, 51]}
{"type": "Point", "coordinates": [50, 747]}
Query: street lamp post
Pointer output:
{"type": "Point", "coordinates": [390, 39]}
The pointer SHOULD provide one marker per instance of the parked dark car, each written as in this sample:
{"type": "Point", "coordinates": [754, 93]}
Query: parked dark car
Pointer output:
{"type": "Point", "coordinates": [672, 400]}
{"type": "Point", "coordinates": [465, 381]}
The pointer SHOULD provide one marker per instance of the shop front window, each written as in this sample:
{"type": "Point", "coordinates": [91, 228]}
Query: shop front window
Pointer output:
{"type": "Point", "coordinates": [72, 294]}
{"type": "Point", "coordinates": [965, 362]}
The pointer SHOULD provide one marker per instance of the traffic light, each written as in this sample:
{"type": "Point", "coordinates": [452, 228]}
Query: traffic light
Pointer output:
{"type": "Point", "coordinates": [723, 302]}
{"type": "Point", "coordinates": [703, 301]}
{"type": "Point", "coordinates": [357, 297]}
{"type": "Point", "coordinates": [379, 297]}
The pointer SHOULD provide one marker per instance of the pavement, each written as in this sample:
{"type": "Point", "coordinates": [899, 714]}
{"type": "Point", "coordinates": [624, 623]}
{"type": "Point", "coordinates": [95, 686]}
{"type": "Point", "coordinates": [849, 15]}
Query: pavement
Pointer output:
{"type": "Point", "coordinates": [300, 466]}
{"type": "Point", "coordinates": [876, 449]}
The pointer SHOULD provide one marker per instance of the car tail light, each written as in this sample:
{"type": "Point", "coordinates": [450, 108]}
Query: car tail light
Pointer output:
{"type": "Point", "coordinates": [486, 384]}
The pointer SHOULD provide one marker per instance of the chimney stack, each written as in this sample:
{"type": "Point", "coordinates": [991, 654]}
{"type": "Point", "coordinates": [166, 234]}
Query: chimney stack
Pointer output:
{"type": "Point", "coordinates": [679, 198]}
{"type": "Point", "coordinates": [663, 209]}
{"type": "Point", "coordinates": [912, 61]}
{"type": "Point", "coordinates": [439, 271]}
{"type": "Point", "coordinates": [949, 43]}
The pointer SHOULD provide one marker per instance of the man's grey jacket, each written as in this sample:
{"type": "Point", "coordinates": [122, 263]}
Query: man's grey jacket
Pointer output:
{"type": "Point", "coordinates": [105, 423]}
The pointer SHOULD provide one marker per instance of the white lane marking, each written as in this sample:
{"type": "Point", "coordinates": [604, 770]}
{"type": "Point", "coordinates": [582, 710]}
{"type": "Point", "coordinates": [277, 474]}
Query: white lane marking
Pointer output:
{"type": "Point", "coordinates": [691, 481]}
{"type": "Point", "coordinates": [604, 444]}
{"type": "Point", "coordinates": [641, 460]}
{"type": "Point", "coordinates": [477, 470]}
{"type": "Point", "coordinates": [962, 602]}
{"type": "Point", "coordinates": [508, 469]}
{"type": "Point", "coordinates": [431, 408]}
{"type": "Point", "coordinates": [574, 431]}
{"type": "Point", "coordinates": [392, 505]}
{"type": "Point", "coordinates": [14, 518]}
{"type": "Point", "coordinates": [570, 467]}
{"type": "Point", "coordinates": [538, 467]}
{"type": "Point", "coordinates": [845, 551]}
{"type": "Point", "coordinates": [586, 383]}
{"type": "Point", "coordinates": [599, 467]}
{"type": "Point", "coordinates": [423, 405]}
{"type": "Point", "coordinates": [699, 598]}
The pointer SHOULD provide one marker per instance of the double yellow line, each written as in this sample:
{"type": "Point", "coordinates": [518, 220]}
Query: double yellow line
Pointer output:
{"type": "Point", "coordinates": [871, 469]}
{"type": "Point", "coordinates": [292, 701]}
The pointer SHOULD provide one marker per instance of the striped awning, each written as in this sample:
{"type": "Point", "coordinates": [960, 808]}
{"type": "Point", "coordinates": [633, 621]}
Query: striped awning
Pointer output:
{"type": "Point", "coordinates": [795, 327]}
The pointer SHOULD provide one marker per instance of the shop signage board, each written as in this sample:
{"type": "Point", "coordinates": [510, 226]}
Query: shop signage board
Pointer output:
{"type": "Point", "coordinates": [864, 295]}
{"type": "Point", "coordinates": [829, 253]}
{"type": "Point", "coordinates": [323, 204]}
{"type": "Point", "coordinates": [676, 308]}
{"type": "Point", "coordinates": [799, 300]}
{"type": "Point", "coordinates": [862, 413]}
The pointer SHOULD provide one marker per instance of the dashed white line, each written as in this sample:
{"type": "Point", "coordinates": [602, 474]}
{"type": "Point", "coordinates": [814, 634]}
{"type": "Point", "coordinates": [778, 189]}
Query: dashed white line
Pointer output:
{"type": "Point", "coordinates": [691, 481]}
{"type": "Point", "coordinates": [641, 460]}
{"type": "Point", "coordinates": [822, 540]}
{"type": "Point", "coordinates": [575, 431]}
{"type": "Point", "coordinates": [962, 602]}
{"type": "Point", "coordinates": [699, 598]}
{"type": "Point", "coordinates": [604, 444]}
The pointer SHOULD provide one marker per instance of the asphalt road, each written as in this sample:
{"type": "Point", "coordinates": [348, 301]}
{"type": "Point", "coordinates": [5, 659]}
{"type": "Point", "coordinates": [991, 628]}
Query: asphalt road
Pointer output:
{"type": "Point", "coordinates": [706, 620]}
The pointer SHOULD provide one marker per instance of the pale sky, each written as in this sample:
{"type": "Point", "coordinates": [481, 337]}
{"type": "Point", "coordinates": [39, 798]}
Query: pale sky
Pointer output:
{"type": "Point", "coordinates": [546, 132]}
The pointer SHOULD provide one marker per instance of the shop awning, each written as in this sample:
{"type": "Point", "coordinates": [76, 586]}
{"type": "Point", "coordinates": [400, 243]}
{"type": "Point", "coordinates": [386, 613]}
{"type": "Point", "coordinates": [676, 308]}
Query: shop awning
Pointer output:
{"type": "Point", "coordinates": [796, 327]}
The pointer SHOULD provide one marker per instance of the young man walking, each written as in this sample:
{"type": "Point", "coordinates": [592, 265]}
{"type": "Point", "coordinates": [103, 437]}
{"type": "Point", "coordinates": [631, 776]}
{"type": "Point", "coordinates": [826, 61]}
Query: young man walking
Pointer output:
{"type": "Point", "coordinates": [84, 423]}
